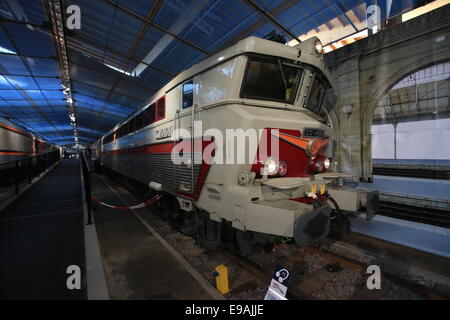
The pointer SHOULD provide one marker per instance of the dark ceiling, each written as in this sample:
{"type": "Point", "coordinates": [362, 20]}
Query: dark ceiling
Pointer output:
{"type": "Point", "coordinates": [126, 50]}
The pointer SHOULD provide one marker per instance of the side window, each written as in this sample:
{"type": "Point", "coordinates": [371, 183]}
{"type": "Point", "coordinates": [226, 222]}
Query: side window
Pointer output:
{"type": "Point", "coordinates": [139, 121]}
{"type": "Point", "coordinates": [188, 94]}
{"type": "Point", "coordinates": [161, 108]}
{"type": "Point", "coordinates": [131, 125]}
{"type": "Point", "coordinates": [149, 115]}
{"type": "Point", "coordinates": [128, 126]}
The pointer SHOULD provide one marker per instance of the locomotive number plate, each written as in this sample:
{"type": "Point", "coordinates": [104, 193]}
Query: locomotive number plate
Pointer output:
{"type": "Point", "coordinates": [313, 133]}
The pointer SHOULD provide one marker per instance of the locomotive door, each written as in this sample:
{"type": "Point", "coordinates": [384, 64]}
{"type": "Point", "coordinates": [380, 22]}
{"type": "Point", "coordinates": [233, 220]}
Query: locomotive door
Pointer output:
{"type": "Point", "coordinates": [185, 120]}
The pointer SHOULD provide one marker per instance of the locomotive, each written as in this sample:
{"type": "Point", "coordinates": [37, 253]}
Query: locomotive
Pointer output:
{"type": "Point", "coordinates": [16, 142]}
{"type": "Point", "coordinates": [283, 93]}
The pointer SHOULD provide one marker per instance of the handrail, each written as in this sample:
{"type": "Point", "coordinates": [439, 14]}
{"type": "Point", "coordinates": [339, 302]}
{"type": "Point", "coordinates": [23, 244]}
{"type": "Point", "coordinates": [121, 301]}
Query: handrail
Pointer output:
{"type": "Point", "coordinates": [87, 184]}
{"type": "Point", "coordinates": [21, 171]}
{"type": "Point", "coordinates": [83, 156]}
{"type": "Point", "coordinates": [27, 157]}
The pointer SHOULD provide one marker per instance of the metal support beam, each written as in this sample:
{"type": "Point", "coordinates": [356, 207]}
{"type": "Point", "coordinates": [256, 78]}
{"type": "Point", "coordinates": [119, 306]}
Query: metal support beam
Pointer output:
{"type": "Point", "coordinates": [151, 14]}
{"type": "Point", "coordinates": [154, 25]}
{"type": "Point", "coordinates": [55, 14]}
{"type": "Point", "coordinates": [272, 19]}
{"type": "Point", "coordinates": [258, 24]}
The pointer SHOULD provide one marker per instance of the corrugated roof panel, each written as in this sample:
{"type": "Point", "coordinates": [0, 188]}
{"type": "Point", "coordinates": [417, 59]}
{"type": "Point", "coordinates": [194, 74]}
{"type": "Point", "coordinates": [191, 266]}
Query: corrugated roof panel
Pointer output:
{"type": "Point", "coordinates": [21, 82]}
{"type": "Point", "coordinates": [29, 11]}
{"type": "Point", "coordinates": [43, 67]}
{"type": "Point", "coordinates": [30, 42]}
{"type": "Point", "coordinates": [177, 57]}
{"type": "Point", "coordinates": [220, 22]}
{"type": "Point", "coordinates": [154, 79]}
{"type": "Point", "coordinates": [5, 83]}
{"type": "Point", "coordinates": [13, 65]}
{"type": "Point", "coordinates": [139, 7]}
{"type": "Point", "coordinates": [53, 94]}
{"type": "Point", "coordinates": [97, 19]}
{"type": "Point", "coordinates": [11, 95]}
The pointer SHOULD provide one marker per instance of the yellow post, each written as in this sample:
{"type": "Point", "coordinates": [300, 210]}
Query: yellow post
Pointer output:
{"type": "Point", "coordinates": [222, 279]}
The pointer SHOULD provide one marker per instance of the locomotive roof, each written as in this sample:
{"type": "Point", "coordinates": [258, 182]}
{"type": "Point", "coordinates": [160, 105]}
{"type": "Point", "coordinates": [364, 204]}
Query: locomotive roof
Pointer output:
{"type": "Point", "coordinates": [303, 52]}
{"type": "Point", "coordinates": [250, 45]}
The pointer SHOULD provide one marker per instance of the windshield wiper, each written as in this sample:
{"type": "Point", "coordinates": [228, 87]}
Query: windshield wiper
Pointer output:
{"type": "Point", "coordinates": [282, 74]}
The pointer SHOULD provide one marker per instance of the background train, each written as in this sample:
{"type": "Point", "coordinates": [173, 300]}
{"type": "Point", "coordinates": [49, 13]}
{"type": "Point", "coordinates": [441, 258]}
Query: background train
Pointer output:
{"type": "Point", "coordinates": [16, 143]}
{"type": "Point", "coordinates": [257, 84]}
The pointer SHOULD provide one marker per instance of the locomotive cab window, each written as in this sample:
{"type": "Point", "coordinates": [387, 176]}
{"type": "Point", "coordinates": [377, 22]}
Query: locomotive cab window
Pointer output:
{"type": "Point", "coordinates": [188, 94]}
{"type": "Point", "coordinates": [270, 79]}
{"type": "Point", "coordinates": [316, 96]}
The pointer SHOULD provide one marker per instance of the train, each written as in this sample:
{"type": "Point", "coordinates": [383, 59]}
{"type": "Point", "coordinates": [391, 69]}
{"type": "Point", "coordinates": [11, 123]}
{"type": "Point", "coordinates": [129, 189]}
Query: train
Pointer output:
{"type": "Point", "coordinates": [276, 103]}
{"type": "Point", "coordinates": [16, 142]}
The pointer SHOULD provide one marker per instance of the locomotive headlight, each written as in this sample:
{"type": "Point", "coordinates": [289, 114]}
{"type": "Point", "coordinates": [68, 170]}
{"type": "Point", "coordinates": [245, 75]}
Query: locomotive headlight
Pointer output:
{"type": "Point", "coordinates": [282, 168]}
{"type": "Point", "coordinates": [271, 167]}
{"type": "Point", "coordinates": [318, 47]}
{"type": "Point", "coordinates": [326, 164]}
{"type": "Point", "coordinates": [321, 165]}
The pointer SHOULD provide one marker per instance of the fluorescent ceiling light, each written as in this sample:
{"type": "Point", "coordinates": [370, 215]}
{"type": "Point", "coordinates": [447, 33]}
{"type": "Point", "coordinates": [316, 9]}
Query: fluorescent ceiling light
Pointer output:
{"type": "Point", "coordinates": [4, 50]}
{"type": "Point", "coordinates": [120, 70]}
{"type": "Point", "coordinates": [185, 18]}
{"type": "Point", "coordinates": [424, 9]}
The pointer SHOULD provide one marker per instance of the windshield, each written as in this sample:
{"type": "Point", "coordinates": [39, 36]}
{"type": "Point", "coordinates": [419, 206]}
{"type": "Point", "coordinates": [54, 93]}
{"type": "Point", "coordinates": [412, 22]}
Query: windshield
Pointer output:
{"type": "Point", "coordinates": [270, 79]}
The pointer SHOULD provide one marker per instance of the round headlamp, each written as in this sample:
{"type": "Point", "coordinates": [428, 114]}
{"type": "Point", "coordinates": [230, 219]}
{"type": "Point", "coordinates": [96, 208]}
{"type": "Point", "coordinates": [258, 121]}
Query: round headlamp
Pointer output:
{"type": "Point", "coordinates": [318, 47]}
{"type": "Point", "coordinates": [326, 164]}
{"type": "Point", "coordinates": [271, 167]}
{"type": "Point", "coordinates": [282, 168]}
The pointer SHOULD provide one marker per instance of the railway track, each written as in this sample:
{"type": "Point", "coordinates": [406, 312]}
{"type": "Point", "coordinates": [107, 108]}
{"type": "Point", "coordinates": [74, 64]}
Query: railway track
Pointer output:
{"type": "Point", "coordinates": [418, 214]}
{"type": "Point", "coordinates": [316, 272]}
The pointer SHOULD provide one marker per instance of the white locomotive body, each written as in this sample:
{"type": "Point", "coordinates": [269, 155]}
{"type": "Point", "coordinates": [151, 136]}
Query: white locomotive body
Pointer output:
{"type": "Point", "coordinates": [259, 85]}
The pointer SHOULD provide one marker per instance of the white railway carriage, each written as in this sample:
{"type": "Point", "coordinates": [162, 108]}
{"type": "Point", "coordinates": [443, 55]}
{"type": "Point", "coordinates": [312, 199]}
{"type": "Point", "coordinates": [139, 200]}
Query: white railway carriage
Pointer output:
{"type": "Point", "coordinates": [256, 84]}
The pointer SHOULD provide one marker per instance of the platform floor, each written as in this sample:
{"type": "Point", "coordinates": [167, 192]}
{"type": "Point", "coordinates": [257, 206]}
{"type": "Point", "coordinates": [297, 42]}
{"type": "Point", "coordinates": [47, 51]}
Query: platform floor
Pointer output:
{"type": "Point", "coordinates": [423, 237]}
{"type": "Point", "coordinates": [426, 188]}
{"type": "Point", "coordinates": [137, 264]}
{"type": "Point", "coordinates": [41, 234]}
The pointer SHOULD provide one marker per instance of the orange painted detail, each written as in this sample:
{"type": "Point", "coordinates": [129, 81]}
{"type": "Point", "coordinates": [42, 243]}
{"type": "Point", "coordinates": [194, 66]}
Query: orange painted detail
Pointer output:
{"type": "Point", "coordinates": [14, 129]}
{"type": "Point", "coordinates": [296, 141]}
{"type": "Point", "coordinates": [315, 145]}
{"type": "Point", "coordinates": [16, 153]}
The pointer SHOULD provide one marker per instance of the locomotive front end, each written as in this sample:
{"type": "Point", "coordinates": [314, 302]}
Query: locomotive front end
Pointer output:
{"type": "Point", "coordinates": [296, 191]}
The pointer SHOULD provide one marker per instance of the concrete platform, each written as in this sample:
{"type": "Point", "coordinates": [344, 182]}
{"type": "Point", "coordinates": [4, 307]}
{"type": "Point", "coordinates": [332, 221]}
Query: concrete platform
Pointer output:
{"type": "Point", "coordinates": [138, 263]}
{"type": "Point", "coordinates": [41, 234]}
{"type": "Point", "coordinates": [424, 237]}
{"type": "Point", "coordinates": [428, 188]}
{"type": "Point", "coordinates": [431, 193]}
